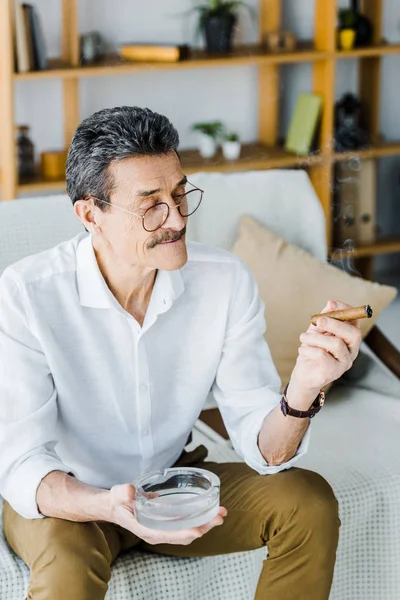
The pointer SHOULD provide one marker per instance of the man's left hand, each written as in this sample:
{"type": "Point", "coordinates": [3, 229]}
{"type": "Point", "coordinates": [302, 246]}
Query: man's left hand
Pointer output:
{"type": "Point", "coordinates": [327, 351]}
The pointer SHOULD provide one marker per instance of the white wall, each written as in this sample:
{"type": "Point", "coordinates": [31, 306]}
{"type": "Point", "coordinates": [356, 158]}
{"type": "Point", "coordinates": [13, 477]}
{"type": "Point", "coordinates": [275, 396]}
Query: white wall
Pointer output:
{"type": "Point", "coordinates": [229, 94]}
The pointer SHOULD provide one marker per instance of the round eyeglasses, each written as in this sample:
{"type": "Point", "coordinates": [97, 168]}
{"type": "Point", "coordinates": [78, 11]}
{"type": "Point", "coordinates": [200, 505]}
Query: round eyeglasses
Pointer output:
{"type": "Point", "coordinates": [154, 217]}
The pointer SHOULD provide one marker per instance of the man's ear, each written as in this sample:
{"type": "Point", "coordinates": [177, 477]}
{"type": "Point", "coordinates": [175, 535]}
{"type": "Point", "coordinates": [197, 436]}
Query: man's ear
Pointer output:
{"type": "Point", "coordinates": [86, 213]}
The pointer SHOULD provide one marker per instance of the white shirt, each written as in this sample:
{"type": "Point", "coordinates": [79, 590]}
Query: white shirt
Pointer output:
{"type": "Point", "coordinates": [84, 389]}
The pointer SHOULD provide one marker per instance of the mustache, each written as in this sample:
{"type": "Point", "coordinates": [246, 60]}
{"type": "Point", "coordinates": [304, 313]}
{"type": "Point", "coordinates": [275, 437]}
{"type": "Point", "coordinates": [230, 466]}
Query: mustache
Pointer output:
{"type": "Point", "coordinates": [171, 236]}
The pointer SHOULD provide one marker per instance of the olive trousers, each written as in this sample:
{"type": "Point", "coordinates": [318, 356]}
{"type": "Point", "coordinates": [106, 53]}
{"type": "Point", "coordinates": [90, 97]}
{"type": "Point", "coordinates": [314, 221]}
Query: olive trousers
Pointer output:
{"type": "Point", "coordinates": [294, 512]}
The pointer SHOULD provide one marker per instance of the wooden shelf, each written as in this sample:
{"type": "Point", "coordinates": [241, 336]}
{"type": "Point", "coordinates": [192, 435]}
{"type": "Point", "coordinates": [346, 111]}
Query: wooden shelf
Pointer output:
{"type": "Point", "coordinates": [384, 246]}
{"type": "Point", "coordinates": [39, 184]}
{"type": "Point", "coordinates": [115, 65]}
{"type": "Point", "coordinates": [253, 157]}
{"type": "Point", "coordinates": [379, 50]}
{"type": "Point", "coordinates": [379, 150]}
{"type": "Point", "coordinates": [244, 55]}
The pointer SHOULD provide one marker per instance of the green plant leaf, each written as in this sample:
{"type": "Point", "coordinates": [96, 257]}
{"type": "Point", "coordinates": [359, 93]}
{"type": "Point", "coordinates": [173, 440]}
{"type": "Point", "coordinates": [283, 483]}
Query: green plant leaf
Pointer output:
{"type": "Point", "coordinates": [231, 137]}
{"type": "Point", "coordinates": [212, 128]}
{"type": "Point", "coordinates": [347, 18]}
{"type": "Point", "coordinates": [220, 8]}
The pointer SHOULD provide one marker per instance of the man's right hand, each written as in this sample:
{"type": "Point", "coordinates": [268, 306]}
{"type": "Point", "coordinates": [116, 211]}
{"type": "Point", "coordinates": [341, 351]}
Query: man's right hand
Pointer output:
{"type": "Point", "coordinates": [122, 499]}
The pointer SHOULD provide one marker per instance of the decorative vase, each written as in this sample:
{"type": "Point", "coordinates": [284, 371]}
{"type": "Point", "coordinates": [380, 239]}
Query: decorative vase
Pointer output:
{"type": "Point", "coordinates": [347, 38]}
{"type": "Point", "coordinates": [218, 32]}
{"type": "Point", "coordinates": [207, 145]}
{"type": "Point", "coordinates": [231, 150]}
{"type": "Point", "coordinates": [363, 26]}
{"type": "Point", "coordinates": [25, 154]}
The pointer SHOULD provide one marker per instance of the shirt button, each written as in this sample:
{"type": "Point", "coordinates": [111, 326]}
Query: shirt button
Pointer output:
{"type": "Point", "coordinates": [146, 432]}
{"type": "Point", "coordinates": [143, 387]}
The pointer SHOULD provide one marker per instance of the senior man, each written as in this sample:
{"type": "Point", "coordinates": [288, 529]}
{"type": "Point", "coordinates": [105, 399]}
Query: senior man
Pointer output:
{"type": "Point", "coordinates": [110, 343]}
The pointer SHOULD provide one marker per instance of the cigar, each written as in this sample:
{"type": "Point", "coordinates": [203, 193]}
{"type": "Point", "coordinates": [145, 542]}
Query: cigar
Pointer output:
{"type": "Point", "coordinates": [349, 314]}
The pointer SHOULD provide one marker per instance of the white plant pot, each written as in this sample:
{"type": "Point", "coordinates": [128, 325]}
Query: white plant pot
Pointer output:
{"type": "Point", "coordinates": [207, 145]}
{"type": "Point", "coordinates": [231, 150]}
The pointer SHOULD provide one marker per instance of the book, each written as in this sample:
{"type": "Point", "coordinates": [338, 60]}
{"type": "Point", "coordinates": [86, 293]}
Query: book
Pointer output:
{"type": "Point", "coordinates": [21, 40]}
{"type": "Point", "coordinates": [39, 44]}
{"type": "Point", "coordinates": [29, 37]}
{"type": "Point", "coordinates": [304, 124]}
{"type": "Point", "coordinates": [154, 53]}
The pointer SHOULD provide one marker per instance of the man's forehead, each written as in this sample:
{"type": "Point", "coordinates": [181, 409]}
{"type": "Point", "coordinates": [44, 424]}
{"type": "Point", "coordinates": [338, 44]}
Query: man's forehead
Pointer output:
{"type": "Point", "coordinates": [147, 173]}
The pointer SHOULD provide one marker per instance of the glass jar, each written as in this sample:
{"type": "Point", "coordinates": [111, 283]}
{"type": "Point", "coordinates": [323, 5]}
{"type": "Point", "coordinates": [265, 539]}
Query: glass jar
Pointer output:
{"type": "Point", "coordinates": [25, 154]}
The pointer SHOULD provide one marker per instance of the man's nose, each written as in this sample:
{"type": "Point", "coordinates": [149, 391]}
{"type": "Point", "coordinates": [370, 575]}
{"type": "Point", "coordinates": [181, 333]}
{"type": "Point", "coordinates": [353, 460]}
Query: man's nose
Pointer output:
{"type": "Point", "coordinates": [175, 219]}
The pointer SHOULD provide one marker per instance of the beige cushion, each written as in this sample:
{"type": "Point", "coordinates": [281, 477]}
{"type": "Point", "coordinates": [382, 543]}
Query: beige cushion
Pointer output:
{"type": "Point", "coordinates": [294, 285]}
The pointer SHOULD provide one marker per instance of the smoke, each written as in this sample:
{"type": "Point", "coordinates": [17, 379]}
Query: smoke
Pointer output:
{"type": "Point", "coordinates": [355, 166]}
{"type": "Point", "coordinates": [345, 258]}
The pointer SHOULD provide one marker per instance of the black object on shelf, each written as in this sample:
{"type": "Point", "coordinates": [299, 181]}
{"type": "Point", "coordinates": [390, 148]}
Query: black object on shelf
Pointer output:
{"type": "Point", "coordinates": [25, 154]}
{"type": "Point", "coordinates": [218, 31]}
{"type": "Point", "coordinates": [364, 29]}
{"type": "Point", "coordinates": [350, 132]}
{"type": "Point", "coordinates": [352, 18]}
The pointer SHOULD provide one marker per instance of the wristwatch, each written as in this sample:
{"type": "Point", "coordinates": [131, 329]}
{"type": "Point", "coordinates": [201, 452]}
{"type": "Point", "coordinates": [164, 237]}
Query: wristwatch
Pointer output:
{"type": "Point", "coordinates": [302, 414]}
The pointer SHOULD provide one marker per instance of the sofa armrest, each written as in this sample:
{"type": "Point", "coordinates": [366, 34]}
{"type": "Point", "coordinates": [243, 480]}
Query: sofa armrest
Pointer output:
{"type": "Point", "coordinates": [384, 350]}
{"type": "Point", "coordinates": [212, 418]}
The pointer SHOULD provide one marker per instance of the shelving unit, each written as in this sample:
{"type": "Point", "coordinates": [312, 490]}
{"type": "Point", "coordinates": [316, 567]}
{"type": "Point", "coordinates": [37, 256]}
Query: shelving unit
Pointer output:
{"type": "Point", "coordinates": [265, 154]}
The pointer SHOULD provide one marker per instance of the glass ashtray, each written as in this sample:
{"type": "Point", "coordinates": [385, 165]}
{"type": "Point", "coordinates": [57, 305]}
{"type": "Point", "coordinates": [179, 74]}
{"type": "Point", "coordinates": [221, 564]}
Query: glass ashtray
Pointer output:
{"type": "Point", "coordinates": [178, 498]}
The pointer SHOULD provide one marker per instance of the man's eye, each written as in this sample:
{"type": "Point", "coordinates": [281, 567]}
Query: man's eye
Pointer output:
{"type": "Point", "coordinates": [149, 204]}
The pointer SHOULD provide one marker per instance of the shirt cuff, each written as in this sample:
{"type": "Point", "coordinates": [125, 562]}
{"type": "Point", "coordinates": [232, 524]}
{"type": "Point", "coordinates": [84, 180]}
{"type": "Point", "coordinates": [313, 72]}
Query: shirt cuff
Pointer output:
{"type": "Point", "coordinates": [22, 485]}
{"type": "Point", "coordinates": [255, 459]}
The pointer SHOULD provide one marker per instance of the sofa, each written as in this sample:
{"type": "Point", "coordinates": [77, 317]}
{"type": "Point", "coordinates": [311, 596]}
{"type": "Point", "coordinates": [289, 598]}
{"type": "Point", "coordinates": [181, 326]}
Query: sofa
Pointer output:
{"type": "Point", "coordinates": [354, 439]}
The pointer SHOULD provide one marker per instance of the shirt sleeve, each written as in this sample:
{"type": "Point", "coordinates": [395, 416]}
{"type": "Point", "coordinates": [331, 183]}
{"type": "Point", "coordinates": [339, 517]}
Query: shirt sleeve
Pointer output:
{"type": "Point", "coordinates": [247, 384]}
{"type": "Point", "coordinates": [28, 404]}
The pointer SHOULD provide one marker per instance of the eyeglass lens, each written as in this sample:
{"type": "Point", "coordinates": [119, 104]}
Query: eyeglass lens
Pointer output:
{"type": "Point", "coordinates": [156, 216]}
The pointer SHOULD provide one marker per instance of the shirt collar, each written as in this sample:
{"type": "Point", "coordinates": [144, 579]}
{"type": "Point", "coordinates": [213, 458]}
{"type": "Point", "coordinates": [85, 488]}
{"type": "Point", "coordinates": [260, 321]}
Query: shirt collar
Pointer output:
{"type": "Point", "coordinates": [94, 292]}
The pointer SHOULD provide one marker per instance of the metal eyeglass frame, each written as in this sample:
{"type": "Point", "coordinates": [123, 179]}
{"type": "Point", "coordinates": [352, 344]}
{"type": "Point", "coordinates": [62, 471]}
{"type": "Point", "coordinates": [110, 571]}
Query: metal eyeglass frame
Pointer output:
{"type": "Point", "coordinates": [196, 189]}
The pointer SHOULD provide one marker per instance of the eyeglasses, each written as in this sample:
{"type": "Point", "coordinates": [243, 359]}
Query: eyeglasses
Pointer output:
{"type": "Point", "coordinates": [155, 216]}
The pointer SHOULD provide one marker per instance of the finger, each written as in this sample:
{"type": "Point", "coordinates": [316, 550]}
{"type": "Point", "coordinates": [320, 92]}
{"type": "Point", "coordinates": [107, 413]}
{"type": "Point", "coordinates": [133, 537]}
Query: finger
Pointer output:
{"type": "Point", "coordinates": [179, 538]}
{"type": "Point", "coordinates": [333, 345]}
{"type": "Point", "coordinates": [346, 331]}
{"type": "Point", "coordinates": [151, 495]}
{"type": "Point", "coordinates": [197, 532]}
{"type": "Point", "coordinates": [183, 537]}
{"type": "Point", "coordinates": [316, 355]}
{"type": "Point", "coordinates": [338, 305]}
{"type": "Point", "coordinates": [335, 305]}
{"type": "Point", "coordinates": [312, 352]}
{"type": "Point", "coordinates": [332, 305]}
{"type": "Point", "coordinates": [216, 522]}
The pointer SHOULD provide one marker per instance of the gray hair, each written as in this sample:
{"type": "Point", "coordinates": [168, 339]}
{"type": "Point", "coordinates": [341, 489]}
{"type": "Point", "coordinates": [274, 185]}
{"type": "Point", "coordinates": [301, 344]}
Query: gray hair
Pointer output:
{"type": "Point", "coordinates": [114, 134]}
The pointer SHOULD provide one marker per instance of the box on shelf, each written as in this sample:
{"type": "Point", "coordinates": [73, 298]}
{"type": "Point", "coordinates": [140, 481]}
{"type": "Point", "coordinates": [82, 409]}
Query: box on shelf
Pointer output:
{"type": "Point", "coordinates": [355, 202]}
{"type": "Point", "coordinates": [52, 164]}
{"type": "Point", "coordinates": [154, 52]}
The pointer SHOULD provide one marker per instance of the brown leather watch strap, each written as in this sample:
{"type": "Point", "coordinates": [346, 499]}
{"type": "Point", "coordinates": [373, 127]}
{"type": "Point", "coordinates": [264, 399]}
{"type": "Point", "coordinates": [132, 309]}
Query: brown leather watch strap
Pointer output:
{"type": "Point", "coordinates": [302, 414]}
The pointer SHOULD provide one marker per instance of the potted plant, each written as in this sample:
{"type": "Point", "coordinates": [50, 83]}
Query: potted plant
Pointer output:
{"type": "Point", "coordinates": [208, 136]}
{"type": "Point", "coordinates": [231, 146]}
{"type": "Point", "coordinates": [217, 21]}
